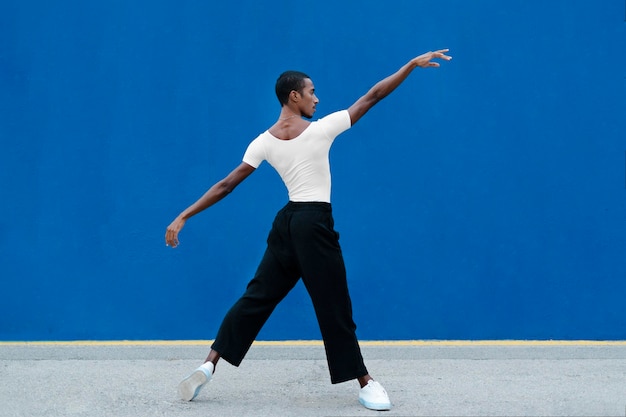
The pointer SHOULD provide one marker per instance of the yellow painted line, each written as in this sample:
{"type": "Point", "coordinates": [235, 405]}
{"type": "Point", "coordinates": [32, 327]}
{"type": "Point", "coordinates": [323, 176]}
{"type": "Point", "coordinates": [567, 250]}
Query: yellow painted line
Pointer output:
{"type": "Point", "coordinates": [295, 343]}
{"type": "Point", "coordinates": [469, 343]}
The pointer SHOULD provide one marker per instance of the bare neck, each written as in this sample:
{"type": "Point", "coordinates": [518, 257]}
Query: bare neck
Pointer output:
{"type": "Point", "coordinates": [287, 128]}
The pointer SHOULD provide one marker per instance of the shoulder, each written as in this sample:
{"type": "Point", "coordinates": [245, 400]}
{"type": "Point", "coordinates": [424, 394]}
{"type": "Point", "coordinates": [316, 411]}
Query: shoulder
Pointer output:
{"type": "Point", "coordinates": [341, 117]}
{"type": "Point", "coordinates": [261, 139]}
{"type": "Point", "coordinates": [256, 151]}
{"type": "Point", "coordinates": [335, 123]}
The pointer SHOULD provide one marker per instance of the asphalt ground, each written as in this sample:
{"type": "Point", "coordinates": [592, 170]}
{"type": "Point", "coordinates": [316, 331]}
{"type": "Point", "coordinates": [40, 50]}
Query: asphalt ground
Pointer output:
{"type": "Point", "coordinates": [291, 379]}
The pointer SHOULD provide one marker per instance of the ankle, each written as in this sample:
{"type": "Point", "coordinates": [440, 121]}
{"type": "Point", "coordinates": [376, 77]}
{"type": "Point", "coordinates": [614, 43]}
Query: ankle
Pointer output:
{"type": "Point", "coordinates": [363, 380]}
{"type": "Point", "coordinates": [213, 357]}
{"type": "Point", "coordinates": [208, 368]}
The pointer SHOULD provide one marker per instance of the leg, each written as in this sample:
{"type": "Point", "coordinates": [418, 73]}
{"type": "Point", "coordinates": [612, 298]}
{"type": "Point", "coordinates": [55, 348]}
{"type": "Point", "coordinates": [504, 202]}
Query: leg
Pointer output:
{"type": "Point", "coordinates": [271, 283]}
{"type": "Point", "coordinates": [363, 380]}
{"type": "Point", "coordinates": [242, 323]}
{"type": "Point", "coordinates": [274, 278]}
{"type": "Point", "coordinates": [324, 276]}
{"type": "Point", "coordinates": [213, 357]}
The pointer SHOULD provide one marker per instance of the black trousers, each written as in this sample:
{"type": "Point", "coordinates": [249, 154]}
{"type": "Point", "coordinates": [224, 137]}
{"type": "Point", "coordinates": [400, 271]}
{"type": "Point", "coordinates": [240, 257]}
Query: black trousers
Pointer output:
{"type": "Point", "coordinates": [301, 244]}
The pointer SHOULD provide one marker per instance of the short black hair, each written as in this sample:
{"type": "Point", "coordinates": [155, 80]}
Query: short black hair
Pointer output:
{"type": "Point", "coordinates": [287, 82]}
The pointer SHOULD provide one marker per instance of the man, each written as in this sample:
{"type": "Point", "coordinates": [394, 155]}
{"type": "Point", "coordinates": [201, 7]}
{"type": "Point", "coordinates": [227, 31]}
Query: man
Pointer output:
{"type": "Point", "coordinates": [302, 242]}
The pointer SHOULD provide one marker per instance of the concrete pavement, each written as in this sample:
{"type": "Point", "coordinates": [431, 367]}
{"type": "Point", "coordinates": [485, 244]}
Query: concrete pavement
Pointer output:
{"type": "Point", "coordinates": [291, 379]}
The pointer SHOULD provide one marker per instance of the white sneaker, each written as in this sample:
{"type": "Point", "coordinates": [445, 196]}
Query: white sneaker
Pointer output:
{"type": "Point", "coordinates": [189, 387]}
{"type": "Point", "coordinates": [374, 397]}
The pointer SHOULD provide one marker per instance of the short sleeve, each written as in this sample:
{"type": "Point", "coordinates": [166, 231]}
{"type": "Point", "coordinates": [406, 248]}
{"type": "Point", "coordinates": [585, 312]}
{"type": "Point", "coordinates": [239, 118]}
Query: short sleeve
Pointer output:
{"type": "Point", "coordinates": [255, 154]}
{"type": "Point", "coordinates": [335, 123]}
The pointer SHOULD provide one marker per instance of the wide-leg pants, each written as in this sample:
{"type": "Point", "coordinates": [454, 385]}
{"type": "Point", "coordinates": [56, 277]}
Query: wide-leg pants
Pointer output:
{"type": "Point", "coordinates": [301, 244]}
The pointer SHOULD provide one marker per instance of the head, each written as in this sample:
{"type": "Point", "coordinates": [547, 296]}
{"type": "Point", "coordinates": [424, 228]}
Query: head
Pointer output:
{"type": "Point", "coordinates": [296, 88]}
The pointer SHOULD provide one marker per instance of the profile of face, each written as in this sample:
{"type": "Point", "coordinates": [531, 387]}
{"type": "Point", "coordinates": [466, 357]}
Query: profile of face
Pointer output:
{"type": "Point", "coordinates": [306, 100]}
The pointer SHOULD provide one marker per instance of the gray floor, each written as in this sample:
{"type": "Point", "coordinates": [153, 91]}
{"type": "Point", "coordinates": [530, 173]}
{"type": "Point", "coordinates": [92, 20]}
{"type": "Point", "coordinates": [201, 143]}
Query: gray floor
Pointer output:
{"type": "Point", "coordinates": [289, 380]}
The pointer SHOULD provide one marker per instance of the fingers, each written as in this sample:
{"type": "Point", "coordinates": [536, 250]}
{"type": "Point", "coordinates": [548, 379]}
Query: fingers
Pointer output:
{"type": "Point", "coordinates": [171, 234]}
{"type": "Point", "coordinates": [441, 53]}
{"type": "Point", "coordinates": [426, 60]}
{"type": "Point", "coordinates": [171, 238]}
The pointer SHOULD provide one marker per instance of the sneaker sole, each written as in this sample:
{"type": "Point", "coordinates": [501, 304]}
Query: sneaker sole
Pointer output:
{"type": "Point", "coordinates": [374, 406]}
{"type": "Point", "coordinates": [190, 386]}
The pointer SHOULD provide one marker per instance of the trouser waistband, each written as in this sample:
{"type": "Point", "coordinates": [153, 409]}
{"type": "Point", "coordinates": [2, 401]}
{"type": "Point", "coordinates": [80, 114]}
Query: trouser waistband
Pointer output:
{"type": "Point", "coordinates": [308, 205]}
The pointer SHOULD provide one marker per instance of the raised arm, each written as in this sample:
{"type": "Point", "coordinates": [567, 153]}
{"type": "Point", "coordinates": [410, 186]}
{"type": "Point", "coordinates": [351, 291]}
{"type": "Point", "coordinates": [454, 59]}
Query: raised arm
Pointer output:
{"type": "Point", "coordinates": [217, 192]}
{"type": "Point", "coordinates": [386, 86]}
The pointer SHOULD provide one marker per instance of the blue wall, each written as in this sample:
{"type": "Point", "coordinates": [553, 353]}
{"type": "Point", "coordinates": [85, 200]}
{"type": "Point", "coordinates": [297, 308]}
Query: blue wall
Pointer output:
{"type": "Point", "coordinates": [482, 200]}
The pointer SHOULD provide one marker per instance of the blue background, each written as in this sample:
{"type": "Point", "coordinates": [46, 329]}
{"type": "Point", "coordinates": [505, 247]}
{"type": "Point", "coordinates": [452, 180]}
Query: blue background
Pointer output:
{"type": "Point", "coordinates": [482, 200]}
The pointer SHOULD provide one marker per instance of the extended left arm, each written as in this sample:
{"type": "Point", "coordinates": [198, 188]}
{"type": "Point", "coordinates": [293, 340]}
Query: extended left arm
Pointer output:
{"type": "Point", "coordinates": [384, 87]}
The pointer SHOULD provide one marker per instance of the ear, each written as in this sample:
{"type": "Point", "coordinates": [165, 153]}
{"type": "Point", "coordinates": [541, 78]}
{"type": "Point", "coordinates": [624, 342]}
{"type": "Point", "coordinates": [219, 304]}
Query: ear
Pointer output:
{"type": "Point", "coordinates": [294, 95]}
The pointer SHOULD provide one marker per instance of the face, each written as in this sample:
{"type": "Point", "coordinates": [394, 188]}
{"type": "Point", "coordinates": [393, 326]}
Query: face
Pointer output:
{"type": "Point", "coordinates": [307, 100]}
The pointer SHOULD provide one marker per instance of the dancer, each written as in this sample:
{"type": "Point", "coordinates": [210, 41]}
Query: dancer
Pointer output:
{"type": "Point", "coordinates": [302, 242]}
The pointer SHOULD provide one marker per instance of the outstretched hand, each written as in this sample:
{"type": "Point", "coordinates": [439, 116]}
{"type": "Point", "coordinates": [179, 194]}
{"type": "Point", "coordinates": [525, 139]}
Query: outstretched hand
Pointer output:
{"type": "Point", "coordinates": [426, 60]}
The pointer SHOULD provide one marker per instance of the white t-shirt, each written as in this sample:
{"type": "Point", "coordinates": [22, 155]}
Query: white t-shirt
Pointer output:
{"type": "Point", "coordinates": [301, 162]}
